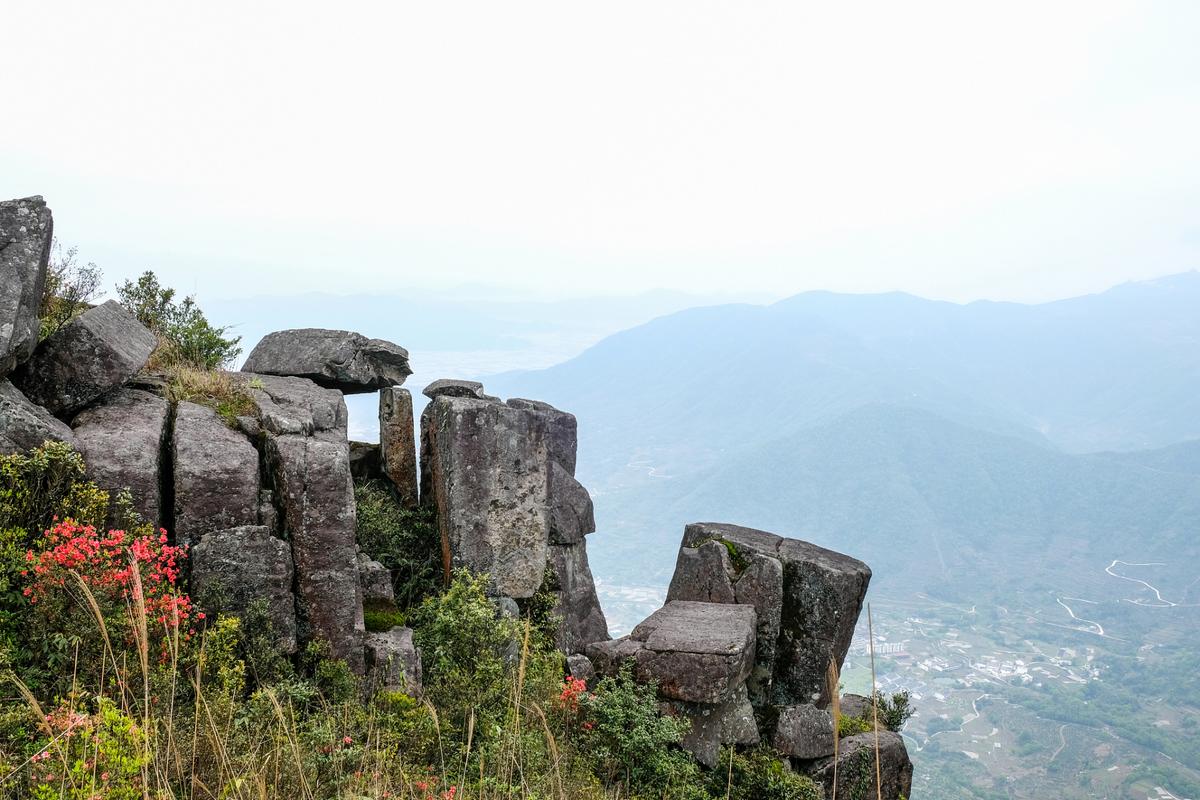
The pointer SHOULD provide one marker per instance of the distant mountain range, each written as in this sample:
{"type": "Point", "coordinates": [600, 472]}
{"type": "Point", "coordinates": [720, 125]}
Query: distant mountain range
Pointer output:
{"type": "Point", "coordinates": [953, 447]}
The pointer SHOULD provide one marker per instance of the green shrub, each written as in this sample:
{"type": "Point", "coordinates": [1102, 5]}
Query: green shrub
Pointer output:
{"type": "Point", "coordinates": [759, 775]}
{"type": "Point", "coordinates": [849, 726]}
{"type": "Point", "coordinates": [185, 335]}
{"type": "Point", "coordinates": [629, 740]}
{"type": "Point", "coordinates": [406, 542]}
{"type": "Point", "coordinates": [331, 676]}
{"type": "Point", "coordinates": [69, 289]}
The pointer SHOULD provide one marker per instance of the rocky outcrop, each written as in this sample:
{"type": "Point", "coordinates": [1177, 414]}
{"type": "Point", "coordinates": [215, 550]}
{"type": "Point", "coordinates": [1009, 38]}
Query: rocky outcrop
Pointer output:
{"type": "Point", "coordinates": [91, 355]}
{"type": "Point", "coordinates": [26, 231]}
{"type": "Point", "coordinates": [485, 467]}
{"type": "Point", "coordinates": [393, 661]}
{"type": "Point", "coordinates": [365, 461]}
{"type": "Point", "coordinates": [342, 360]}
{"type": "Point", "coordinates": [216, 475]}
{"type": "Point", "coordinates": [308, 458]}
{"type": "Point", "coordinates": [121, 439]}
{"type": "Point", "coordinates": [397, 443]}
{"type": "Point", "coordinates": [711, 726]}
{"type": "Point", "coordinates": [562, 430]}
{"type": "Point", "coordinates": [856, 768]}
{"type": "Point", "coordinates": [576, 604]}
{"type": "Point", "coordinates": [25, 425]}
{"type": "Point", "coordinates": [804, 732]}
{"type": "Point", "coordinates": [808, 601]}
{"type": "Point", "coordinates": [240, 565]}
{"type": "Point", "coordinates": [572, 515]}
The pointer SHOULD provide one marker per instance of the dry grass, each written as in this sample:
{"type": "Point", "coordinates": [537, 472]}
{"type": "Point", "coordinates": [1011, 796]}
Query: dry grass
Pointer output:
{"type": "Point", "coordinates": [227, 393]}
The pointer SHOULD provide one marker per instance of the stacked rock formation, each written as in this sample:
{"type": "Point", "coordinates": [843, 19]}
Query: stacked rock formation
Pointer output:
{"type": "Point", "coordinates": [741, 648]}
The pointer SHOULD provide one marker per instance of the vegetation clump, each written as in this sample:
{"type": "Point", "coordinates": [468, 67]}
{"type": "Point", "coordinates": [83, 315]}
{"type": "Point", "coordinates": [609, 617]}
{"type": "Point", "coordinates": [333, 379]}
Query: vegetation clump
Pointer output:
{"type": "Point", "coordinates": [186, 338]}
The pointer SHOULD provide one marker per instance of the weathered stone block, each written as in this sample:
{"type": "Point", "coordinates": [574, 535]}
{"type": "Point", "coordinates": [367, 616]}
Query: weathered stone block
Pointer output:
{"type": "Point", "coordinates": [245, 564]}
{"type": "Point", "coordinates": [26, 232]}
{"type": "Point", "coordinates": [577, 605]}
{"type": "Point", "coordinates": [216, 475]}
{"type": "Point", "coordinates": [342, 360]}
{"type": "Point", "coordinates": [91, 355]}
{"type": "Point", "coordinates": [375, 580]}
{"type": "Point", "coordinates": [121, 440]}
{"type": "Point", "coordinates": [25, 425]}
{"type": "Point", "coordinates": [729, 723]}
{"type": "Point", "coordinates": [572, 515]}
{"type": "Point", "coordinates": [393, 661]}
{"type": "Point", "coordinates": [397, 443]}
{"type": "Point", "coordinates": [856, 767]}
{"type": "Point", "coordinates": [562, 430]}
{"type": "Point", "coordinates": [804, 732]}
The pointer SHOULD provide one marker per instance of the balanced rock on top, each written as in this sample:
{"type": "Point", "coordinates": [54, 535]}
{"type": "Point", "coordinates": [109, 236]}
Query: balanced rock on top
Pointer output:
{"type": "Point", "coordinates": [342, 360]}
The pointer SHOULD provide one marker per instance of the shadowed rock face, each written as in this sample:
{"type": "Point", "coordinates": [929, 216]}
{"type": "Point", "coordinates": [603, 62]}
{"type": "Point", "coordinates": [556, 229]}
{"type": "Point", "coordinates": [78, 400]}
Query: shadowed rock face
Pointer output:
{"type": "Point", "coordinates": [26, 231]}
{"type": "Point", "coordinates": [216, 475]}
{"type": "Point", "coordinates": [244, 564]}
{"type": "Point", "coordinates": [731, 722]}
{"type": "Point", "coordinates": [576, 604]}
{"type": "Point", "coordinates": [24, 425]}
{"type": "Point", "coordinates": [397, 443]}
{"type": "Point", "coordinates": [91, 355]}
{"type": "Point", "coordinates": [342, 360]}
{"type": "Point", "coordinates": [121, 440]}
{"type": "Point", "coordinates": [572, 515]}
{"type": "Point", "coordinates": [308, 459]}
{"type": "Point", "coordinates": [808, 600]}
{"type": "Point", "coordinates": [856, 767]}
{"type": "Point", "coordinates": [485, 468]}
{"type": "Point", "coordinates": [562, 430]}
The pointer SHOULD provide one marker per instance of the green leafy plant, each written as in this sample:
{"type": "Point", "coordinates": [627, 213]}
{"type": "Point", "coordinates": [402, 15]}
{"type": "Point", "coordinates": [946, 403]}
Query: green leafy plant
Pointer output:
{"type": "Point", "coordinates": [406, 542]}
{"type": "Point", "coordinates": [186, 337]}
{"type": "Point", "coordinates": [69, 289]}
{"type": "Point", "coordinates": [759, 775]}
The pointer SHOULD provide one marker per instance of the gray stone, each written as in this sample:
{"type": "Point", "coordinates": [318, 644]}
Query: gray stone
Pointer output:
{"type": "Point", "coordinates": [728, 723]}
{"type": "Point", "coordinates": [804, 732]}
{"type": "Point", "coordinates": [580, 667]}
{"type": "Point", "coordinates": [562, 430]}
{"type": "Point", "coordinates": [397, 442]}
{"type": "Point", "coordinates": [26, 231]}
{"type": "Point", "coordinates": [695, 652]}
{"type": "Point", "coordinates": [25, 425]}
{"type": "Point", "coordinates": [91, 355]}
{"type": "Point", "coordinates": [822, 594]}
{"type": "Point", "coordinates": [485, 470]}
{"type": "Point", "coordinates": [343, 360]}
{"type": "Point", "coordinates": [375, 580]}
{"type": "Point", "coordinates": [856, 767]}
{"type": "Point", "coordinates": [121, 439]}
{"type": "Point", "coordinates": [246, 564]}
{"type": "Point", "coordinates": [453, 387]}
{"type": "Point", "coordinates": [308, 459]}
{"type": "Point", "coordinates": [572, 515]}
{"type": "Point", "coordinates": [702, 574]}
{"type": "Point", "coordinates": [393, 661]}
{"type": "Point", "coordinates": [216, 475]}
{"type": "Point", "coordinates": [365, 463]}
{"type": "Point", "coordinates": [582, 620]}
{"type": "Point", "coordinates": [855, 705]}
{"type": "Point", "coordinates": [505, 607]}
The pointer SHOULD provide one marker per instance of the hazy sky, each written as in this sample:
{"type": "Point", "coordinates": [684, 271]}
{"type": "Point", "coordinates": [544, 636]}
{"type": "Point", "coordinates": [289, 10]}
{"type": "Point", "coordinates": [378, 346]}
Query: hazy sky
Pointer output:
{"type": "Point", "coordinates": [956, 150]}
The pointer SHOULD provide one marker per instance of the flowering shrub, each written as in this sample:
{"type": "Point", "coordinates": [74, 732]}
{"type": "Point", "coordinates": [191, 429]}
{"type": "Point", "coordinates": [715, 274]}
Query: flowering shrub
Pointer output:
{"type": "Point", "coordinates": [118, 568]}
{"type": "Point", "coordinates": [573, 689]}
{"type": "Point", "coordinates": [89, 755]}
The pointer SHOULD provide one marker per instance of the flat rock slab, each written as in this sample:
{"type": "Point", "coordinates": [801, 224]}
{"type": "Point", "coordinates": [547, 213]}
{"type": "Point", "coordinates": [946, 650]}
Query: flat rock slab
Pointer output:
{"type": "Point", "coordinates": [121, 439]}
{"type": "Point", "coordinates": [25, 425]}
{"type": "Point", "coordinates": [216, 475]}
{"type": "Point", "coordinates": [695, 652]}
{"type": "Point", "coordinates": [91, 355]}
{"type": "Point", "coordinates": [455, 387]}
{"type": "Point", "coordinates": [342, 360]}
{"type": "Point", "coordinates": [856, 767]}
{"type": "Point", "coordinates": [241, 565]}
{"type": "Point", "coordinates": [484, 467]}
{"type": "Point", "coordinates": [289, 405]}
{"type": "Point", "coordinates": [26, 232]}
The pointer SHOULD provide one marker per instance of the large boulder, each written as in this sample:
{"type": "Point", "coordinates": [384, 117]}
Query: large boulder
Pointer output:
{"type": "Point", "coordinates": [398, 443]}
{"type": "Point", "coordinates": [695, 652]}
{"type": "Point", "coordinates": [26, 231]}
{"type": "Point", "coordinates": [562, 430]}
{"type": "Point", "coordinates": [375, 581]}
{"type": "Point", "coordinates": [25, 425]}
{"type": "Point", "coordinates": [91, 355]}
{"type": "Point", "coordinates": [342, 360]}
{"type": "Point", "coordinates": [308, 460]}
{"type": "Point", "coordinates": [804, 732]}
{"type": "Point", "coordinates": [484, 467]}
{"type": "Point", "coordinates": [216, 476]}
{"type": "Point", "coordinates": [393, 661]}
{"type": "Point", "coordinates": [728, 723]}
{"type": "Point", "coordinates": [121, 439]}
{"type": "Point", "coordinates": [241, 565]}
{"type": "Point", "coordinates": [856, 768]}
{"type": "Point", "coordinates": [576, 604]}
{"type": "Point", "coordinates": [808, 600]}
